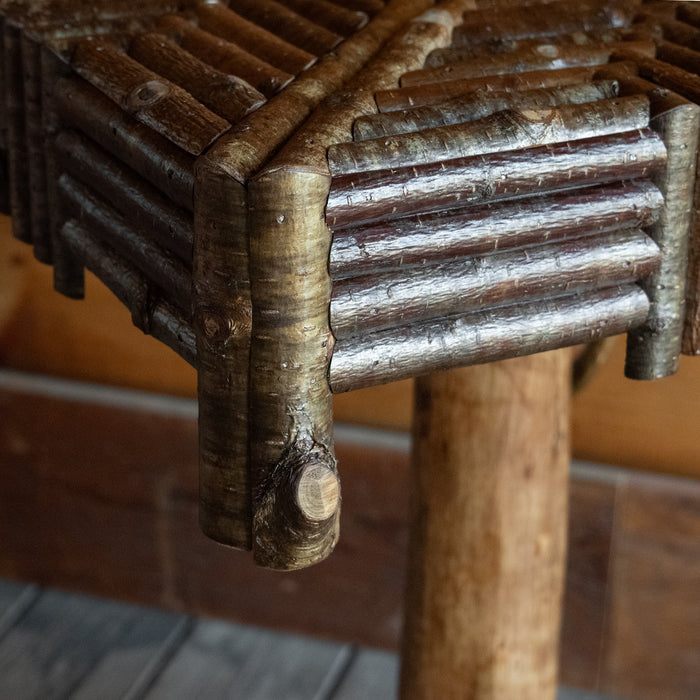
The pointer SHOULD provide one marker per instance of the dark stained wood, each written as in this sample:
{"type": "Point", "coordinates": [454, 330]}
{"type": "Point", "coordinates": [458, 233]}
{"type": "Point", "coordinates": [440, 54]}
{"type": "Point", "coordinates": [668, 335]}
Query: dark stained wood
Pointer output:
{"type": "Point", "coordinates": [329, 15]}
{"type": "Point", "coordinates": [654, 593]}
{"type": "Point", "coordinates": [484, 336]}
{"type": "Point", "coordinates": [401, 297]}
{"type": "Point", "coordinates": [423, 239]}
{"type": "Point", "coordinates": [164, 165]}
{"type": "Point", "coordinates": [226, 95]}
{"type": "Point", "coordinates": [150, 99]}
{"type": "Point", "coordinates": [162, 268]}
{"type": "Point", "coordinates": [224, 56]}
{"type": "Point", "coordinates": [362, 198]}
{"type": "Point", "coordinates": [146, 208]}
{"type": "Point", "coordinates": [149, 313]}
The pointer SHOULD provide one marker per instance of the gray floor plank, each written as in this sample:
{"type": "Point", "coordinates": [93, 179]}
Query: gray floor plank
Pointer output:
{"type": "Point", "coordinates": [373, 675]}
{"type": "Point", "coordinates": [221, 660]}
{"type": "Point", "coordinates": [73, 646]}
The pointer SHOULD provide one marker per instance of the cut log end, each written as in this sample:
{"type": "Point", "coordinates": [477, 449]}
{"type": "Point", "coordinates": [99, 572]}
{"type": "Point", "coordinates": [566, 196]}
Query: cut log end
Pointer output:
{"type": "Point", "coordinates": [317, 492]}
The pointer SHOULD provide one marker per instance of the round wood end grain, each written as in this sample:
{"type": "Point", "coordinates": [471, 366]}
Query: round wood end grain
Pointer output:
{"type": "Point", "coordinates": [318, 492]}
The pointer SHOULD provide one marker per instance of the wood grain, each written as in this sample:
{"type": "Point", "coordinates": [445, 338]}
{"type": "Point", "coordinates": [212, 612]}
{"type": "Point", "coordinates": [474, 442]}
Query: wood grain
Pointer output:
{"type": "Point", "coordinates": [488, 531]}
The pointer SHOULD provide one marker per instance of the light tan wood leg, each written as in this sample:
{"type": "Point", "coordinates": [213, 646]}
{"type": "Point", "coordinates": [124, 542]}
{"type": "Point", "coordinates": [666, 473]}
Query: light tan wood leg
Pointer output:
{"type": "Point", "coordinates": [486, 568]}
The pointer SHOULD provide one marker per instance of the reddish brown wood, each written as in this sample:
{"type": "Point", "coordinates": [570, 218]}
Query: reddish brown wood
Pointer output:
{"type": "Point", "coordinates": [152, 100]}
{"type": "Point", "coordinates": [488, 531]}
{"type": "Point", "coordinates": [329, 15]}
{"type": "Point", "coordinates": [226, 95]}
{"type": "Point", "coordinates": [436, 93]}
{"type": "Point", "coordinates": [225, 56]}
{"type": "Point", "coordinates": [160, 162]}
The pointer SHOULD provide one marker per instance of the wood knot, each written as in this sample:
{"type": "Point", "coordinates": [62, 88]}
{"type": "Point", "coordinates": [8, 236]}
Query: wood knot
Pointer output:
{"type": "Point", "coordinates": [146, 95]}
{"type": "Point", "coordinates": [317, 492]}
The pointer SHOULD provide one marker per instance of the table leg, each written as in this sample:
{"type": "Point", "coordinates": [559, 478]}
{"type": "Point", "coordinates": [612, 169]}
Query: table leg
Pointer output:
{"type": "Point", "coordinates": [488, 541]}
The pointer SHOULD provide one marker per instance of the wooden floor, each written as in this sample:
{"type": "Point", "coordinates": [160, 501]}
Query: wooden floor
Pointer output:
{"type": "Point", "coordinates": [60, 645]}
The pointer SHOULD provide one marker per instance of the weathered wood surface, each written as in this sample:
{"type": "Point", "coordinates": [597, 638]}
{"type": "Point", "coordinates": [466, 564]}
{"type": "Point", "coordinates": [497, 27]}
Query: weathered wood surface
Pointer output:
{"type": "Point", "coordinates": [423, 239]}
{"type": "Point", "coordinates": [226, 95]}
{"type": "Point", "coordinates": [546, 56]}
{"type": "Point", "coordinates": [484, 336]}
{"type": "Point", "coordinates": [145, 207]}
{"type": "Point", "coordinates": [508, 130]}
{"type": "Point", "coordinates": [488, 531]}
{"type": "Point", "coordinates": [160, 162]}
{"type": "Point", "coordinates": [653, 350]}
{"type": "Point", "coordinates": [330, 15]}
{"type": "Point", "coordinates": [437, 93]}
{"type": "Point", "coordinates": [400, 298]}
{"type": "Point", "coordinates": [362, 198]}
{"type": "Point", "coordinates": [472, 106]}
{"type": "Point", "coordinates": [159, 104]}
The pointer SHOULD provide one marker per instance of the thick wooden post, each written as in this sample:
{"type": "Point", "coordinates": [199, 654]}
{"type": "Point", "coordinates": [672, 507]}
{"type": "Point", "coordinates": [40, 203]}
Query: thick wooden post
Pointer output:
{"type": "Point", "coordinates": [490, 463]}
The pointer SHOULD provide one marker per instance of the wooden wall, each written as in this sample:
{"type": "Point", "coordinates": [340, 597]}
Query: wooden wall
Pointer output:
{"type": "Point", "coordinates": [649, 426]}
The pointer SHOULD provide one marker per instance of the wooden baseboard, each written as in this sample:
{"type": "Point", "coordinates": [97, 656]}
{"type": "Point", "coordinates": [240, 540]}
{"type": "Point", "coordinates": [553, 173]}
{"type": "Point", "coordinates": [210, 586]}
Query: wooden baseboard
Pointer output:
{"type": "Point", "coordinates": [99, 495]}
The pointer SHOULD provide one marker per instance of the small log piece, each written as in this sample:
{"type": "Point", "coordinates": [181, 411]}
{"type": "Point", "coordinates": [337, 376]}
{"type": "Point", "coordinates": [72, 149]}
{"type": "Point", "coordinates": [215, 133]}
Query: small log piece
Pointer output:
{"type": "Point", "coordinates": [398, 298]}
{"type": "Point", "coordinates": [226, 95]}
{"type": "Point", "coordinates": [485, 336]}
{"type": "Point", "coordinates": [152, 100]}
{"type": "Point", "coordinates": [362, 198]}
{"type": "Point", "coordinates": [164, 165]}
{"type": "Point", "coordinates": [425, 239]}
{"type": "Point", "coordinates": [488, 531]}
{"type": "Point", "coordinates": [290, 26]}
{"type": "Point", "coordinates": [329, 15]}
{"type": "Point", "coordinates": [225, 56]}
{"type": "Point", "coordinates": [437, 93]}
{"type": "Point", "coordinates": [509, 130]}
{"type": "Point", "coordinates": [475, 106]}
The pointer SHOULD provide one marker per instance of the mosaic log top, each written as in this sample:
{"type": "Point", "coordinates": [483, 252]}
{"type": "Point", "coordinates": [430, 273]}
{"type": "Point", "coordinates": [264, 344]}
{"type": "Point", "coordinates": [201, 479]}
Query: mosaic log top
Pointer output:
{"type": "Point", "coordinates": [303, 197]}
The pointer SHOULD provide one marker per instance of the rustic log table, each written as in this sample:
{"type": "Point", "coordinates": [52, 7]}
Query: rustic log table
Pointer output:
{"type": "Point", "coordinates": [307, 197]}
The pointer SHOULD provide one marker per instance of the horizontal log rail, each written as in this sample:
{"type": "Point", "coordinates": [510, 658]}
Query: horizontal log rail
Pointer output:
{"type": "Point", "coordinates": [145, 207]}
{"type": "Point", "coordinates": [546, 56]}
{"type": "Point", "coordinates": [476, 106]}
{"type": "Point", "coordinates": [485, 336]}
{"type": "Point", "coordinates": [399, 298]}
{"type": "Point", "coordinates": [150, 313]}
{"type": "Point", "coordinates": [421, 240]}
{"type": "Point", "coordinates": [363, 198]}
{"type": "Point", "coordinates": [164, 270]}
{"type": "Point", "coordinates": [226, 56]}
{"type": "Point", "coordinates": [395, 99]}
{"type": "Point", "coordinates": [508, 130]}
{"type": "Point", "coordinates": [157, 160]}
